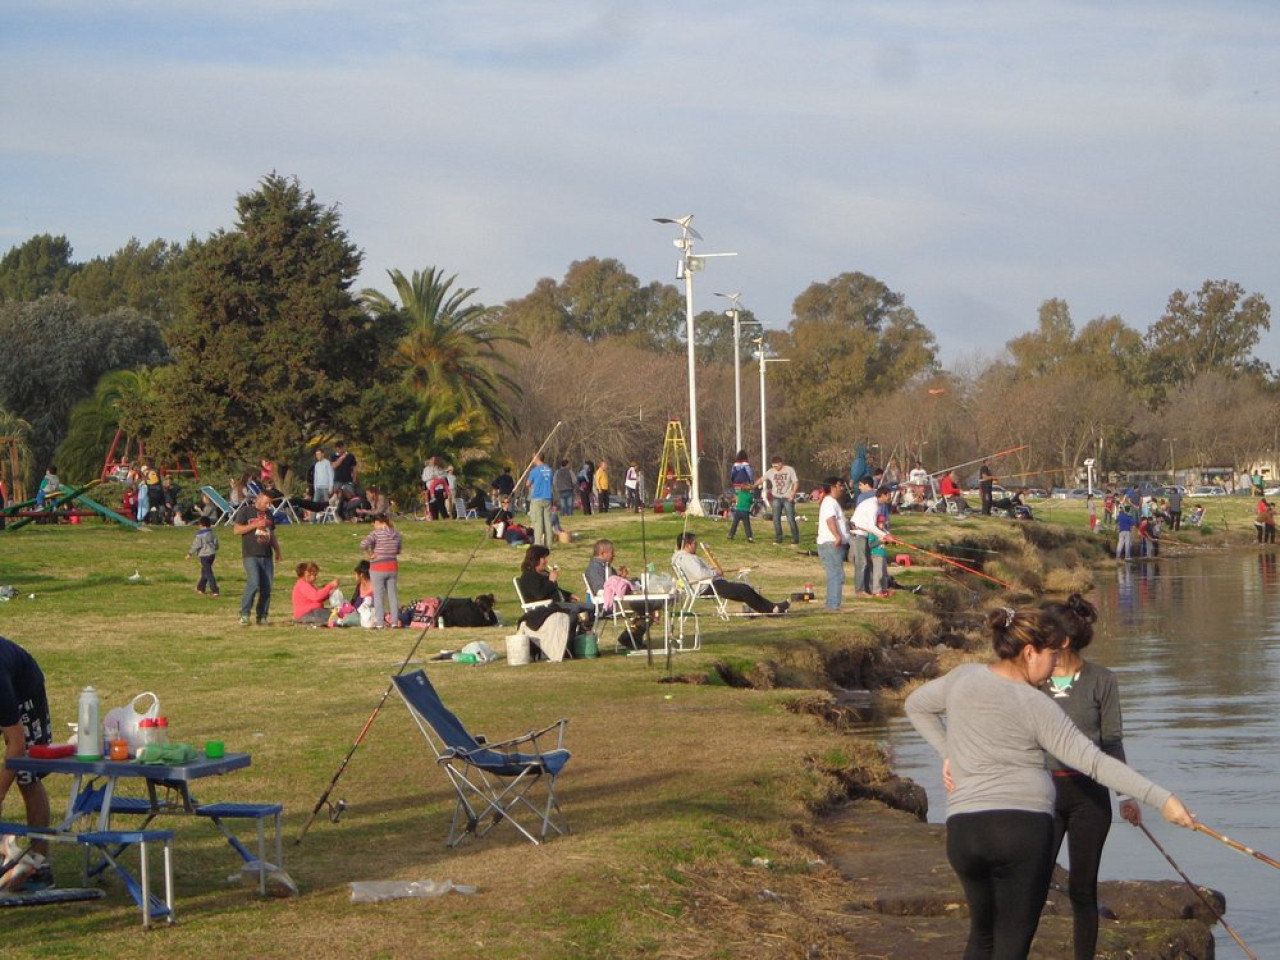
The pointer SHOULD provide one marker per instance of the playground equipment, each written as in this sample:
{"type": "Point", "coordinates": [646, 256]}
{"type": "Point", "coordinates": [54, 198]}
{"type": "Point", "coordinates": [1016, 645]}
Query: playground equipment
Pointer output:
{"type": "Point", "coordinates": [675, 467]}
{"type": "Point", "coordinates": [69, 502]}
{"type": "Point", "coordinates": [11, 469]}
{"type": "Point", "coordinates": [125, 452]}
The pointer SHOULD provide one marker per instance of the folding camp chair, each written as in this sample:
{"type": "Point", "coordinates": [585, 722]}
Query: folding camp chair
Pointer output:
{"type": "Point", "coordinates": [616, 613]}
{"type": "Point", "coordinates": [219, 501]}
{"type": "Point", "coordinates": [702, 590]}
{"type": "Point", "coordinates": [493, 781]}
{"type": "Point", "coordinates": [526, 606]}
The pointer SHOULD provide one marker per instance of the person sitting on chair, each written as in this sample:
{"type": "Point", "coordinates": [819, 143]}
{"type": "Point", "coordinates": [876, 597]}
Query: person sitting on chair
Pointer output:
{"type": "Point", "coordinates": [539, 580]}
{"type": "Point", "coordinates": [699, 573]}
{"type": "Point", "coordinates": [949, 490]}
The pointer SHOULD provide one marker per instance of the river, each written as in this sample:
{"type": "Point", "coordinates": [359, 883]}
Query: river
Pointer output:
{"type": "Point", "coordinates": [1195, 644]}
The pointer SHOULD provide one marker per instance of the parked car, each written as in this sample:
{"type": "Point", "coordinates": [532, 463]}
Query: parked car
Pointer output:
{"type": "Point", "coordinates": [1070, 493]}
{"type": "Point", "coordinates": [1208, 491]}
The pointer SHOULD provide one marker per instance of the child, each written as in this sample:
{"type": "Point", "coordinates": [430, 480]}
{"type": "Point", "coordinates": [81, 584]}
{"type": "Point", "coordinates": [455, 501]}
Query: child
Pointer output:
{"type": "Point", "coordinates": [742, 510]}
{"type": "Point", "coordinates": [50, 486]}
{"type": "Point", "coordinates": [1093, 514]}
{"type": "Point", "coordinates": [205, 548]}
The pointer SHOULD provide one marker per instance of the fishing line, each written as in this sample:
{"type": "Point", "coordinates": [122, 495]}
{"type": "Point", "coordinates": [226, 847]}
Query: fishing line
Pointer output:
{"type": "Point", "coordinates": [1198, 892]}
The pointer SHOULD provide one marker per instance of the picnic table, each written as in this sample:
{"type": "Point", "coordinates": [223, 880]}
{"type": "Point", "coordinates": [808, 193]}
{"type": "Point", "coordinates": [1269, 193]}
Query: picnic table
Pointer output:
{"type": "Point", "coordinates": [95, 799]}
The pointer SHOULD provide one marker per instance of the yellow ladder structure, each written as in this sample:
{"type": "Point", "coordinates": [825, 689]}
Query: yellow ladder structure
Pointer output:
{"type": "Point", "coordinates": [675, 466]}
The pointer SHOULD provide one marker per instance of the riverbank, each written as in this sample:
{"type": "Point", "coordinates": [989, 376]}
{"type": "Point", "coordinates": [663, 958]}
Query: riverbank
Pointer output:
{"type": "Point", "coordinates": [696, 793]}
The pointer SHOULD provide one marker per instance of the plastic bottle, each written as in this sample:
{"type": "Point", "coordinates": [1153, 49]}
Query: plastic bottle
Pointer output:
{"type": "Point", "coordinates": [88, 726]}
{"type": "Point", "coordinates": [146, 732]}
{"type": "Point", "coordinates": [162, 731]}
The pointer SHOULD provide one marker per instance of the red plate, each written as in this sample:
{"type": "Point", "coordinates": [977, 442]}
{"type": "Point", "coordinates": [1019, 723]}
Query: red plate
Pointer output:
{"type": "Point", "coordinates": [47, 752]}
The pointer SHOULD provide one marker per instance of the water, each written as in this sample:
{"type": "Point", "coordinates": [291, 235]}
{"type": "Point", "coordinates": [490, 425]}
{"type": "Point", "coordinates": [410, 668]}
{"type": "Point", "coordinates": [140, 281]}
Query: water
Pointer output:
{"type": "Point", "coordinates": [1195, 644]}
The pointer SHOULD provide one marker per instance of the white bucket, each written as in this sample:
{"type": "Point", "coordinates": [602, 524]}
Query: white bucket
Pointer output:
{"type": "Point", "coordinates": [517, 650]}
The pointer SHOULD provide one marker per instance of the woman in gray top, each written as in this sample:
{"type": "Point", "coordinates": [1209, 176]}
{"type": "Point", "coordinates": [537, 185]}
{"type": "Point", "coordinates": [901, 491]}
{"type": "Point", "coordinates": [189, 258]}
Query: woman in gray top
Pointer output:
{"type": "Point", "coordinates": [999, 728]}
{"type": "Point", "coordinates": [1088, 694]}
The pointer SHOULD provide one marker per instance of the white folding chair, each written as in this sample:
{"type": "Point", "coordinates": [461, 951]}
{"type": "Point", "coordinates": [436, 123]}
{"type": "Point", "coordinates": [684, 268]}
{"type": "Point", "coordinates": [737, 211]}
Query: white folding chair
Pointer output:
{"type": "Point", "coordinates": [526, 606]}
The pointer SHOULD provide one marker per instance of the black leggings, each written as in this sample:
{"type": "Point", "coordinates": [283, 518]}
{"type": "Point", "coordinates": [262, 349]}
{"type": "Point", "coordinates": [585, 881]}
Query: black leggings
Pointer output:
{"type": "Point", "coordinates": [1083, 813]}
{"type": "Point", "coordinates": [1004, 859]}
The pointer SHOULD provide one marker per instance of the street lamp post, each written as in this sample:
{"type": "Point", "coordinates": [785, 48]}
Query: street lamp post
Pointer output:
{"type": "Point", "coordinates": [736, 312]}
{"type": "Point", "coordinates": [764, 419]}
{"type": "Point", "coordinates": [685, 269]}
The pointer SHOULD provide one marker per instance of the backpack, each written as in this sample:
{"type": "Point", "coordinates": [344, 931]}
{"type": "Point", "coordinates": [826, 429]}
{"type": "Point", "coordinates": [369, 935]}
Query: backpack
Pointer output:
{"type": "Point", "coordinates": [424, 614]}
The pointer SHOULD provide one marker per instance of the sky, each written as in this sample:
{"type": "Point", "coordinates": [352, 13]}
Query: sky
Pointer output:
{"type": "Point", "coordinates": [978, 158]}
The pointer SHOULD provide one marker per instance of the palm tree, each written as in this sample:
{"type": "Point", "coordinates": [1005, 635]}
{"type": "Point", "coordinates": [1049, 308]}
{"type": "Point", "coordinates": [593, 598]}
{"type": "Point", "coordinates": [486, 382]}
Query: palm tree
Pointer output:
{"type": "Point", "coordinates": [115, 403]}
{"type": "Point", "coordinates": [450, 348]}
{"type": "Point", "coordinates": [16, 430]}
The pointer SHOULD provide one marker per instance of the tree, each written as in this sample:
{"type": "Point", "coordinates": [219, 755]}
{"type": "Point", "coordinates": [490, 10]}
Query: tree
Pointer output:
{"type": "Point", "coordinates": [850, 337]}
{"type": "Point", "coordinates": [271, 347]}
{"type": "Point", "coordinates": [54, 354]}
{"type": "Point", "coordinates": [599, 299]}
{"type": "Point", "coordinates": [449, 348]}
{"type": "Point", "coordinates": [1214, 329]}
{"type": "Point", "coordinates": [118, 402]}
{"type": "Point", "coordinates": [1048, 346]}
{"type": "Point", "coordinates": [146, 278]}
{"type": "Point", "coordinates": [38, 267]}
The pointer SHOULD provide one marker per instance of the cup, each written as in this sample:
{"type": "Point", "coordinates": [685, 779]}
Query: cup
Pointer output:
{"type": "Point", "coordinates": [214, 749]}
{"type": "Point", "coordinates": [119, 750]}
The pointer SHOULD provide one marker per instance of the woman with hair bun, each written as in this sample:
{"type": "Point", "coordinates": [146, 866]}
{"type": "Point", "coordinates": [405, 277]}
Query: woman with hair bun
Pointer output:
{"type": "Point", "coordinates": [1088, 694]}
{"type": "Point", "coordinates": [999, 728]}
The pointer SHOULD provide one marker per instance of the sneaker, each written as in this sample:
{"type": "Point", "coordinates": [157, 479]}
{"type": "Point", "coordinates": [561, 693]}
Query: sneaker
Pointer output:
{"type": "Point", "coordinates": [244, 621]}
{"type": "Point", "coordinates": [262, 621]}
{"type": "Point", "coordinates": [28, 875]}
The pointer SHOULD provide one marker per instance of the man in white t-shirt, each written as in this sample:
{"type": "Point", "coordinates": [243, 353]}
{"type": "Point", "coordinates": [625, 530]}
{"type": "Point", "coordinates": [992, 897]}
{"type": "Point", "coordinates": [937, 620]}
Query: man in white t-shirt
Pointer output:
{"type": "Point", "coordinates": [861, 523]}
{"type": "Point", "coordinates": [781, 481]}
{"type": "Point", "coordinates": [833, 538]}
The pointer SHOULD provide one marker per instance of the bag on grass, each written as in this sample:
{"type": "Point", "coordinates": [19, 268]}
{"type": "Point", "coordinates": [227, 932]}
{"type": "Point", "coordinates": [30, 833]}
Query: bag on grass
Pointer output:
{"type": "Point", "coordinates": [424, 614]}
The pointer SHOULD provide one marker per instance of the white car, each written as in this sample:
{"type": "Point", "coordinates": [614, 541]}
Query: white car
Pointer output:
{"type": "Point", "coordinates": [1207, 492]}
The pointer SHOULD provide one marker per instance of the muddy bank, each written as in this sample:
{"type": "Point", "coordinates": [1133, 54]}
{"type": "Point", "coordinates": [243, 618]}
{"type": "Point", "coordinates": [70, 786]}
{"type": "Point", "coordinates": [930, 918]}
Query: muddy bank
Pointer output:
{"type": "Point", "coordinates": [903, 898]}
{"type": "Point", "coordinates": [906, 903]}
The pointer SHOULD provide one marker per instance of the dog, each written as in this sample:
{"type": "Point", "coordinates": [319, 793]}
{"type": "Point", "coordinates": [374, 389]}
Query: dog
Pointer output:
{"type": "Point", "coordinates": [465, 612]}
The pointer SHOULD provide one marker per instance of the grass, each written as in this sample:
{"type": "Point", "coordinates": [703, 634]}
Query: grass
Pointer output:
{"type": "Point", "coordinates": [673, 791]}
{"type": "Point", "coordinates": [666, 778]}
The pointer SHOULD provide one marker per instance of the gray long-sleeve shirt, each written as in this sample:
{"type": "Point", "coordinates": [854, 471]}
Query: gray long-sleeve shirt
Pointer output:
{"type": "Point", "coordinates": [1093, 703]}
{"type": "Point", "coordinates": [996, 735]}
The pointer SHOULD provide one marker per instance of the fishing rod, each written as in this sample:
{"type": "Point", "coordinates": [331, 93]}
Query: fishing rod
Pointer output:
{"type": "Point", "coordinates": [954, 563]}
{"type": "Point", "coordinates": [1198, 892]}
{"type": "Point", "coordinates": [1236, 845]}
{"type": "Point", "coordinates": [335, 810]}
{"type": "Point", "coordinates": [990, 456]}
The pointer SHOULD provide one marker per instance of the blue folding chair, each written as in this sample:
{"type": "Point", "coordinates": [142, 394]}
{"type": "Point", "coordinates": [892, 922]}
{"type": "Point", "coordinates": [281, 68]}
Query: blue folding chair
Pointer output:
{"type": "Point", "coordinates": [494, 782]}
{"type": "Point", "coordinates": [219, 501]}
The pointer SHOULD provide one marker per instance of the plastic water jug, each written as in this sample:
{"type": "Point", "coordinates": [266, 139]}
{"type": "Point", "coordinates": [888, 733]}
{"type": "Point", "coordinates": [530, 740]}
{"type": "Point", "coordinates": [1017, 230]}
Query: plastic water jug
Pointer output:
{"type": "Point", "coordinates": [88, 727]}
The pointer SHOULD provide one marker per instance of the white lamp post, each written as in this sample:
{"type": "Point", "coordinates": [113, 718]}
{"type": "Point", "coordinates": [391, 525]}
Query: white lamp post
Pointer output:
{"type": "Point", "coordinates": [685, 269]}
{"type": "Point", "coordinates": [764, 429]}
{"type": "Point", "coordinates": [736, 312]}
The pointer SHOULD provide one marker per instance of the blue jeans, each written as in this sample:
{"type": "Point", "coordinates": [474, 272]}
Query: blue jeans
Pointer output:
{"type": "Point", "coordinates": [832, 557]}
{"type": "Point", "coordinates": [566, 499]}
{"type": "Point", "coordinates": [258, 574]}
{"type": "Point", "coordinates": [744, 518]}
{"type": "Point", "coordinates": [781, 506]}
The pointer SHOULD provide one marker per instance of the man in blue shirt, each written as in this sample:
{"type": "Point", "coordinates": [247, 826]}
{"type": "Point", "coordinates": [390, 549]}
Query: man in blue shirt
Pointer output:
{"type": "Point", "coordinates": [539, 485]}
{"type": "Point", "coordinates": [1125, 522]}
